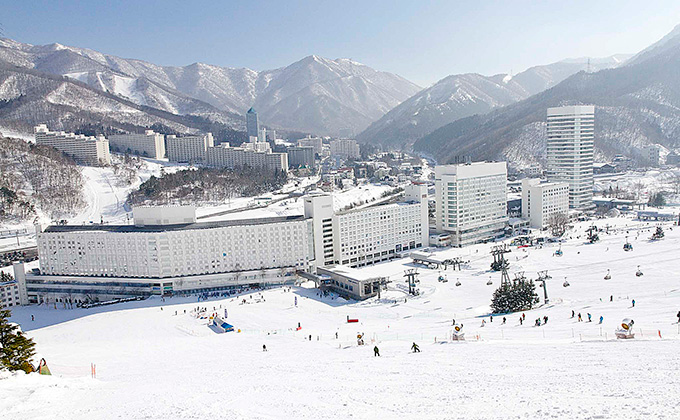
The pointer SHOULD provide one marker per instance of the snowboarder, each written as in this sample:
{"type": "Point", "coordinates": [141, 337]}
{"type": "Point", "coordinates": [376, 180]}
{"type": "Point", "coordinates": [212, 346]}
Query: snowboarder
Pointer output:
{"type": "Point", "coordinates": [415, 348]}
{"type": "Point", "coordinates": [264, 347]}
{"type": "Point", "coordinates": [589, 317]}
{"type": "Point", "coordinates": [579, 317]}
{"type": "Point", "coordinates": [376, 351]}
{"type": "Point", "coordinates": [601, 319]}
{"type": "Point", "coordinates": [633, 303]}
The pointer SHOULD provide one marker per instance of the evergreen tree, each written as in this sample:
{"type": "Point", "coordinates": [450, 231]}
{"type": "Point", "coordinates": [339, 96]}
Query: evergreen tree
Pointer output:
{"type": "Point", "coordinates": [518, 296]}
{"type": "Point", "coordinates": [16, 350]}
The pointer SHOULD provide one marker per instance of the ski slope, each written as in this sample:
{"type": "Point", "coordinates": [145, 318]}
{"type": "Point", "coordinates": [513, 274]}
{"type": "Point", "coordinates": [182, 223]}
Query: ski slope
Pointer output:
{"type": "Point", "coordinates": [153, 364]}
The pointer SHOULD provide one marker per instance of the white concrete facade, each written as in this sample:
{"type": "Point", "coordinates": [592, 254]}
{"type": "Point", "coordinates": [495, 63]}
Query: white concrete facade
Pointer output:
{"type": "Point", "coordinates": [175, 250]}
{"type": "Point", "coordinates": [163, 215]}
{"type": "Point", "coordinates": [83, 149]}
{"type": "Point", "coordinates": [9, 294]}
{"type": "Point", "coordinates": [366, 236]}
{"type": "Point", "coordinates": [149, 144]}
{"type": "Point", "coordinates": [315, 142]}
{"type": "Point", "coordinates": [651, 155]}
{"type": "Point", "coordinates": [540, 200]}
{"type": "Point", "coordinates": [571, 134]}
{"type": "Point", "coordinates": [471, 201]}
{"type": "Point", "coordinates": [345, 148]}
{"type": "Point", "coordinates": [224, 156]}
{"type": "Point", "coordinates": [190, 149]}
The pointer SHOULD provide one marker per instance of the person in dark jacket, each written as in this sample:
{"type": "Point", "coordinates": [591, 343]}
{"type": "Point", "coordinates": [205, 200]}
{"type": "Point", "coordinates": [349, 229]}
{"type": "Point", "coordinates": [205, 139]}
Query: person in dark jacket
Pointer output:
{"type": "Point", "coordinates": [376, 351]}
{"type": "Point", "coordinates": [415, 348]}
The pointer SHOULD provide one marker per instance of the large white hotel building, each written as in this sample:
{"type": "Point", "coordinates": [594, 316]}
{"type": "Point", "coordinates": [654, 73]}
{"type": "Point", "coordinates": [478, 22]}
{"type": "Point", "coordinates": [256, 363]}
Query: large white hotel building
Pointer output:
{"type": "Point", "coordinates": [167, 251]}
{"type": "Point", "coordinates": [541, 200]}
{"type": "Point", "coordinates": [471, 201]}
{"type": "Point", "coordinates": [571, 133]}
{"type": "Point", "coordinates": [83, 149]}
{"type": "Point", "coordinates": [149, 144]}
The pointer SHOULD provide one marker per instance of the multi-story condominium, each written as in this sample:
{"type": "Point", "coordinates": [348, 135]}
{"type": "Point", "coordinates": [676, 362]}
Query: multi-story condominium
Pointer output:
{"type": "Point", "coordinates": [83, 149]}
{"type": "Point", "coordinates": [345, 148]}
{"type": "Point", "coordinates": [373, 234]}
{"type": "Point", "coordinates": [224, 156]}
{"type": "Point", "coordinates": [541, 200]}
{"type": "Point", "coordinates": [651, 155]}
{"type": "Point", "coordinates": [190, 149]}
{"type": "Point", "coordinates": [11, 294]}
{"type": "Point", "coordinates": [300, 156]}
{"type": "Point", "coordinates": [256, 145]}
{"type": "Point", "coordinates": [471, 201]}
{"type": "Point", "coordinates": [314, 142]}
{"type": "Point", "coordinates": [571, 131]}
{"type": "Point", "coordinates": [252, 125]}
{"type": "Point", "coordinates": [149, 144]}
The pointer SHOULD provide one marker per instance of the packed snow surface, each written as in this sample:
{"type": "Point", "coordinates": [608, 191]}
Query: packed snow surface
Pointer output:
{"type": "Point", "coordinates": [154, 361]}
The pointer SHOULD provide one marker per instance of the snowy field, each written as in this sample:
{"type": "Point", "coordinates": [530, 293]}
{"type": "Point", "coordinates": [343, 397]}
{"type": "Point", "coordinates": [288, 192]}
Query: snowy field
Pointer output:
{"type": "Point", "coordinates": [153, 364]}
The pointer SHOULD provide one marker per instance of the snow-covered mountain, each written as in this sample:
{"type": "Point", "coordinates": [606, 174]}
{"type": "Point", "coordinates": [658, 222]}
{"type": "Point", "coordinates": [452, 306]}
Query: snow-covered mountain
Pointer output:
{"type": "Point", "coordinates": [314, 94]}
{"type": "Point", "coordinates": [636, 104]}
{"type": "Point", "coordinates": [461, 95]}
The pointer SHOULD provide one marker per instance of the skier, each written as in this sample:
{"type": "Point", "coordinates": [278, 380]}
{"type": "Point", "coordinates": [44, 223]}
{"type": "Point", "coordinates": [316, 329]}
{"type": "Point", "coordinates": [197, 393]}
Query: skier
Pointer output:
{"type": "Point", "coordinates": [572, 313]}
{"type": "Point", "coordinates": [264, 347]}
{"type": "Point", "coordinates": [483, 322]}
{"type": "Point", "coordinates": [520, 320]}
{"type": "Point", "coordinates": [579, 317]}
{"type": "Point", "coordinates": [601, 319]}
{"type": "Point", "coordinates": [415, 348]}
{"type": "Point", "coordinates": [310, 337]}
{"type": "Point", "coordinates": [678, 317]}
{"type": "Point", "coordinates": [545, 319]}
{"type": "Point", "coordinates": [611, 298]}
{"type": "Point", "coordinates": [589, 317]}
{"type": "Point", "coordinates": [453, 322]}
{"type": "Point", "coordinates": [490, 318]}
{"type": "Point", "coordinates": [33, 317]}
{"type": "Point", "coordinates": [336, 335]}
{"type": "Point", "coordinates": [633, 303]}
{"type": "Point", "coordinates": [503, 321]}
{"type": "Point", "coordinates": [376, 351]}
{"type": "Point", "coordinates": [538, 322]}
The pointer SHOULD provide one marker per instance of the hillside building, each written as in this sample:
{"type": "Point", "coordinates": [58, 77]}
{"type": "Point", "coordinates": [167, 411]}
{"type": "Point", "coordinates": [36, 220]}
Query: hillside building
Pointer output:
{"type": "Point", "coordinates": [149, 144]}
{"type": "Point", "coordinates": [345, 149]}
{"type": "Point", "coordinates": [314, 142]}
{"type": "Point", "coordinates": [189, 149]}
{"type": "Point", "coordinates": [85, 150]}
{"type": "Point", "coordinates": [301, 157]}
{"type": "Point", "coordinates": [255, 155]}
{"type": "Point", "coordinates": [471, 201]}
{"type": "Point", "coordinates": [651, 155]}
{"type": "Point", "coordinates": [571, 131]}
{"type": "Point", "coordinates": [540, 200]}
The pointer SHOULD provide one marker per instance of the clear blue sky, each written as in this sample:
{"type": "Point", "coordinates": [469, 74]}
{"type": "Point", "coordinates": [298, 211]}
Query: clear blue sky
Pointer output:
{"type": "Point", "coordinates": [420, 40]}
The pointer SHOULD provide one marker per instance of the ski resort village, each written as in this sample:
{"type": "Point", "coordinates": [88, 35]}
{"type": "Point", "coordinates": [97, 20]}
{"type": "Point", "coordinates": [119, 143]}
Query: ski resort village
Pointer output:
{"type": "Point", "coordinates": [317, 242]}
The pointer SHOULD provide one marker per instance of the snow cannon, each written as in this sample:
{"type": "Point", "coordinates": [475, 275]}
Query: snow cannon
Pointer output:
{"type": "Point", "coordinates": [458, 334]}
{"type": "Point", "coordinates": [625, 331]}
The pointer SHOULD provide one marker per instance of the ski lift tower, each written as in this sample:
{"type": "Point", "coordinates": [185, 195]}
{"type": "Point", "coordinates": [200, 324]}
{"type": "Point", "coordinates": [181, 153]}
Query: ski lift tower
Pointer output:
{"type": "Point", "coordinates": [411, 275]}
{"type": "Point", "coordinates": [519, 277]}
{"type": "Point", "coordinates": [542, 277]}
{"type": "Point", "coordinates": [499, 261]}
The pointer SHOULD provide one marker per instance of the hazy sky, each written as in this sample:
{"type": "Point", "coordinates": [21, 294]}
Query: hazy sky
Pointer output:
{"type": "Point", "coordinates": [419, 40]}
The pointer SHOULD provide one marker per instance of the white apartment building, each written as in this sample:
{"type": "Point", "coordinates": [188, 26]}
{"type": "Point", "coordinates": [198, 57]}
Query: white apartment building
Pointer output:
{"type": "Point", "coordinates": [571, 133]}
{"type": "Point", "coordinates": [175, 249]}
{"type": "Point", "coordinates": [651, 155]}
{"type": "Point", "coordinates": [149, 144]}
{"type": "Point", "coordinates": [10, 294]}
{"type": "Point", "coordinates": [471, 201]}
{"type": "Point", "coordinates": [86, 150]}
{"type": "Point", "coordinates": [540, 200]}
{"type": "Point", "coordinates": [191, 149]}
{"type": "Point", "coordinates": [224, 156]}
{"type": "Point", "coordinates": [345, 148]}
{"type": "Point", "coordinates": [373, 234]}
{"type": "Point", "coordinates": [315, 142]}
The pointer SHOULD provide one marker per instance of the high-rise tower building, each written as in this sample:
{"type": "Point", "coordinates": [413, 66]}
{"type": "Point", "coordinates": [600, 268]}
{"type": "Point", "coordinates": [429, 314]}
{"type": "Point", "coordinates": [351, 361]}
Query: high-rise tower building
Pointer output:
{"type": "Point", "coordinates": [571, 132]}
{"type": "Point", "coordinates": [252, 126]}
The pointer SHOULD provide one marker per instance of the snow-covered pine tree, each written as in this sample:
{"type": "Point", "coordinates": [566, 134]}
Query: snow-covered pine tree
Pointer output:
{"type": "Point", "coordinates": [16, 350]}
{"type": "Point", "coordinates": [518, 296]}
